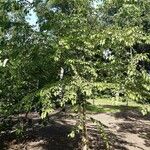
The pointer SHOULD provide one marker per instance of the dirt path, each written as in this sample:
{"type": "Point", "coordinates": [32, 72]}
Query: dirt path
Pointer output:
{"type": "Point", "coordinates": [126, 131]}
{"type": "Point", "coordinates": [132, 132]}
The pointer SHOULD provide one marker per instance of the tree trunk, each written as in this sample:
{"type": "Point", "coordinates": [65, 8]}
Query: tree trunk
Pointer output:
{"type": "Point", "coordinates": [82, 113]}
{"type": "Point", "coordinates": [84, 134]}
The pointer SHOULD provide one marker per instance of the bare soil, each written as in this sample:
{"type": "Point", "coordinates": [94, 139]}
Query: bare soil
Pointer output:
{"type": "Point", "coordinates": [126, 130]}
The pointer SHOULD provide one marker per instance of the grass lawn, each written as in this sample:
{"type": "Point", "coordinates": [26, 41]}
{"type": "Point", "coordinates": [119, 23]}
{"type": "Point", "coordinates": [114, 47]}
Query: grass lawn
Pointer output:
{"type": "Point", "coordinates": [110, 105]}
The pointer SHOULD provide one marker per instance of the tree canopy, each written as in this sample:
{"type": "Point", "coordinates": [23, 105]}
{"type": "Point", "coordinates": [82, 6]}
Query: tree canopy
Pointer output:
{"type": "Point", "coordinates": [79, 50]}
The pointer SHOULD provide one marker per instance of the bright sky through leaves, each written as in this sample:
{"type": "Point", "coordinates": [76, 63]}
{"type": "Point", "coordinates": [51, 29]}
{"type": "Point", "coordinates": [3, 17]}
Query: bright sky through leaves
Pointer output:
{"type": "Point", "coordinates": [32, 17]}
{"type": "Point", "coordinates": [30, 1]}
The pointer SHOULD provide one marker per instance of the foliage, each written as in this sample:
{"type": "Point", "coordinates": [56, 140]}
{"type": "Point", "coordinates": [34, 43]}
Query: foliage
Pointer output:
{"type": "Point", "coordinates": [78, 51]}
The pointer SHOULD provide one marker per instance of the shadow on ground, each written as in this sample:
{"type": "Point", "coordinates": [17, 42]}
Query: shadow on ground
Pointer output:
{"type": "Point", "coordinates": [53, 135]}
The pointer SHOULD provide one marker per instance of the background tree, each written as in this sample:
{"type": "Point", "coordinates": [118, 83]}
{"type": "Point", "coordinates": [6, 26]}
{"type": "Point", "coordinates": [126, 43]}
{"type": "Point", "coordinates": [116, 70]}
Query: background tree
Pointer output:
{"type": "Point", "coordinates": [127, 33]}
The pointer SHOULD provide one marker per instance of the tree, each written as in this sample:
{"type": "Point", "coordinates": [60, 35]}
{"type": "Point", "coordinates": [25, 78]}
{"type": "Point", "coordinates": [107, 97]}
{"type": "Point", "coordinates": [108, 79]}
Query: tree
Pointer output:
{"type": "Point", "coordinates": [131, 17]}
{"type": "Point", "coordinates": [72, 32]}
{"type": "Point", "coordinates": [83, 36]}
{"type": "Point", "coordinates": [12, 22]}
{"type": "Point", "coordinates": [77, 49]}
